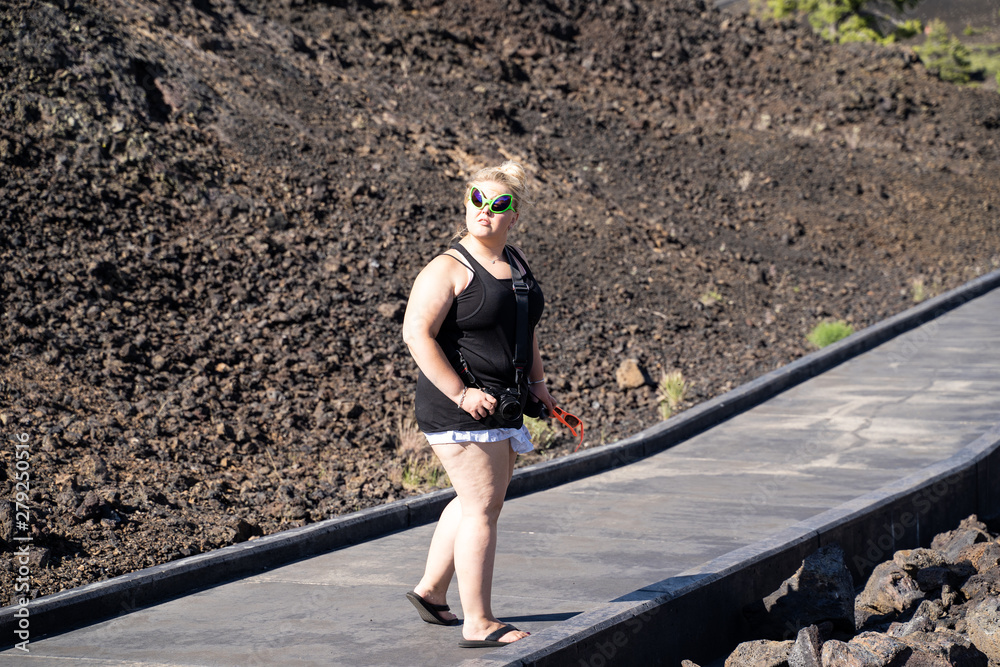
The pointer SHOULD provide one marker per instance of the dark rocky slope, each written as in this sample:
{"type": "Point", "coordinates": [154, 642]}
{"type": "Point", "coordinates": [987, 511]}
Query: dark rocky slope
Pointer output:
{"type": "Point", "coordinates": [211, 214]}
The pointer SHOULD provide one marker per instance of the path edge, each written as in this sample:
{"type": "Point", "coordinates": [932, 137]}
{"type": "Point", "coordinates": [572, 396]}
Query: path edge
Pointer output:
{"type": "Point", "coordinates": [697, 613]}
{"type": "Point", "coordinates": [84, 605]}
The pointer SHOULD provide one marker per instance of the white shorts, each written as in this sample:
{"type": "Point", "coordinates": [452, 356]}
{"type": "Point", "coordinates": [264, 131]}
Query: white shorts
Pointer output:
{"type": "Point", "coordinates": [520, 439]}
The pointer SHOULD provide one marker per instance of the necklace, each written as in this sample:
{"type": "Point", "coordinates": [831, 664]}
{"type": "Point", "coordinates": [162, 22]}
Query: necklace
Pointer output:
{"type": "Point", "coordinates": [493, 261]}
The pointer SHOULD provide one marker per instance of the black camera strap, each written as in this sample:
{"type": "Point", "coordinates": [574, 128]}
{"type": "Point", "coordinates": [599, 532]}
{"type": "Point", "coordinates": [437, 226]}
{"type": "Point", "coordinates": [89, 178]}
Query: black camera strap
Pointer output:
{"type": "Point", "coordinates": [521, 342]}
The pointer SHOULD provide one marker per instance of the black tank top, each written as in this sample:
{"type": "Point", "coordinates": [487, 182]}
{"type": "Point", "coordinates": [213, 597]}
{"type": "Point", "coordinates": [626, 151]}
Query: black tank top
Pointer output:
{"type": "Point", "coordinates": [481, 326]}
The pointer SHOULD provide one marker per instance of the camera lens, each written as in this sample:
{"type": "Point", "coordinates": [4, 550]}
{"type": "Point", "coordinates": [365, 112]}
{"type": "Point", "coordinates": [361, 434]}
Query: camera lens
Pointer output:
{"type": "Point", "coordinates": [510, 409]}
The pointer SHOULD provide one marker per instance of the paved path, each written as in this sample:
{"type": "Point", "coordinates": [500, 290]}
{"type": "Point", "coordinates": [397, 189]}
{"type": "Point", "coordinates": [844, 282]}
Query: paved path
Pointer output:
{"type": "Point", "coordinates": [889, 412]}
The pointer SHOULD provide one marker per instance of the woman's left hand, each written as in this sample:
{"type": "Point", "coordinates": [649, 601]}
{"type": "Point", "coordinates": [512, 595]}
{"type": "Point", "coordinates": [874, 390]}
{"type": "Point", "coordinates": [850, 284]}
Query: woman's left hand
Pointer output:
{"type": "Point", "coordinates": [541, 392]}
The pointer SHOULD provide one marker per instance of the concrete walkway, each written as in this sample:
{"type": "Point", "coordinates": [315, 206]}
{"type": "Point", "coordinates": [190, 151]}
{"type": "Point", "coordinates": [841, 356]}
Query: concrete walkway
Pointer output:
{"type": "Point", "coordinates": [872, 420]}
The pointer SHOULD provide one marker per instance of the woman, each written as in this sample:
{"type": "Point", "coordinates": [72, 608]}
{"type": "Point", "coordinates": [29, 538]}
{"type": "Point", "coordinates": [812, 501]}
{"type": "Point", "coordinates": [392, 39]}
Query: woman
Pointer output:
{"type": "Point", "coordinates": [462, 308]}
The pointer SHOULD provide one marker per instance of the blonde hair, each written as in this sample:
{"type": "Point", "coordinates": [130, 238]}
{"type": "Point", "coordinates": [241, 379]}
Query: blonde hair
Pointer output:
{"type": "Point", "coordinates": [511, 175]}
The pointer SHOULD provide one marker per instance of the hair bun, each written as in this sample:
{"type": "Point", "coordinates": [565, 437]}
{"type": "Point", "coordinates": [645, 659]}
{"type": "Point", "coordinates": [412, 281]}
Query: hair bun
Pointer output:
{"type": "Point", "coordinates": [514, 170]}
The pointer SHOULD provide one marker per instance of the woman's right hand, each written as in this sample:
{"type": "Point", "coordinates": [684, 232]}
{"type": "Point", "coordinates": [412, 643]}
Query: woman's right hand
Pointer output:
{"type": "Point", "coordinates": [478, 403]}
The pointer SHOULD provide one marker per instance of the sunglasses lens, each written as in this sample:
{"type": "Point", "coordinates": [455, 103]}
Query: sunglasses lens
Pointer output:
{"type": "Point", "coordinates": [476, 197]}
{"type": "Point", "coordinates": [571, 421]}
{"type": "Point", "coordinates": [501, 203]}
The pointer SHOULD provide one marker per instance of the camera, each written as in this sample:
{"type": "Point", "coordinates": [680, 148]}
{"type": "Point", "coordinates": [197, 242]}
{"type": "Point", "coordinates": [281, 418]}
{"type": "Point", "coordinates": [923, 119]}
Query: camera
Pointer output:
{"type": "Point", "coordinates": [508, 408]}
{"type": "Point", "coordinates": [535, 409]}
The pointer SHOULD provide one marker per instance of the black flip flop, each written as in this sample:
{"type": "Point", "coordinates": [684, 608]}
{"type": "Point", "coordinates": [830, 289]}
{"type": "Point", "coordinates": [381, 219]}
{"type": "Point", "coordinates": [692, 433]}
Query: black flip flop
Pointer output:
{"type": "Point", "coordinates": [491, 639]}
{"type": "Point", "coordinates": [429, 611]}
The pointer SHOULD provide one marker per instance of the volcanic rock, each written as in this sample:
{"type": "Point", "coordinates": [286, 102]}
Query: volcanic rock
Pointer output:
{"type": "Point", "coordinates": [837, 653]}
{"type": "Point", "coordinates": [982, 585]}
{"type": "Point", "coordinates": [942, 647]}
{"type": "Point", "coordinates": [913, 560]}
{"type": "Point", "coordinates": [820, 590]}
{"type": "Point", "coordinates": [969, 532]}
{"type": "Point", "coordinates": [983, 625]}
{"type": "Point", "coordinates": [889, 590]}
{"type": "Point", "coordinates": [760, 653]}
{"type": "Point", "coordinates": [884, 650]}
{"type": "Point", "coordinates": [808, 648]}
{"type": "Point", "coordinates": [91, 506]}
{"type": "Point", "coordinates": [630, 375]}
{"type": "Point", "coordinates": [983, 556]}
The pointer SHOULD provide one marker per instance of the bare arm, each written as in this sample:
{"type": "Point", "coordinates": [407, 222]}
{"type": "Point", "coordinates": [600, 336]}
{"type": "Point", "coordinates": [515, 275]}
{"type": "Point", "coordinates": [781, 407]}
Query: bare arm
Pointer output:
{"type": "Point", "coordinates": [433, 292]}
{"type": "Point", "coordinates": [537, 376]}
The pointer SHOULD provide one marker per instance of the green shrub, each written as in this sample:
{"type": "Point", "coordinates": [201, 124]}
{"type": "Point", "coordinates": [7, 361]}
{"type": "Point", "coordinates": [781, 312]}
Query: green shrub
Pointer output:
{"type": "Point", "coordinates": [985, 58]}
{"type": "Point", "coordinates": [851, 20]}
{"type": "Point", "coordinates": [944, 55]}
{"type": "Point", "coordinates": [827, 333]}
{"type": "Point", "coordinates": [542, 433]}
{"type": "Point", "coordinates": [710, 297]}
{"type": "Point", "coordinates": [418, 466]}
{"type": "Point", "coordinates": [670, 392]}
{"type": "Point", "coordinates": [419, 473]}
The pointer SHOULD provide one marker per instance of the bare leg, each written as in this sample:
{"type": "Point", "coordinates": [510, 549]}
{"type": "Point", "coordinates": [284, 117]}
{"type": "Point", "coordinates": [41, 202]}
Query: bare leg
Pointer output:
{"type": "Point", "coordinates": [480, 473]}
{"type": "Point", "coordinates": [440, 567]}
